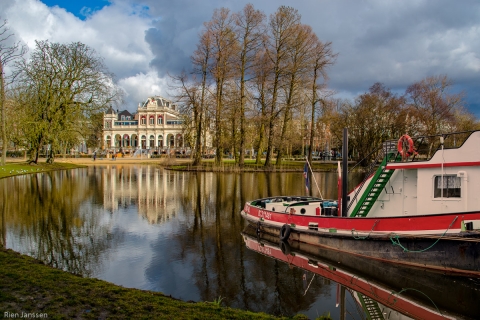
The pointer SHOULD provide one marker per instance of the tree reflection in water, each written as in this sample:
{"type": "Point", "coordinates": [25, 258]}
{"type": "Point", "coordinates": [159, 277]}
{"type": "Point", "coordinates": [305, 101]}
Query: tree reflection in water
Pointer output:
{"type": "Point", "coordinates": [51, 219]}
{"type": "Point", "coordinates": [149, 228]}
{"type": "Point", "coordinates": [221, 265]}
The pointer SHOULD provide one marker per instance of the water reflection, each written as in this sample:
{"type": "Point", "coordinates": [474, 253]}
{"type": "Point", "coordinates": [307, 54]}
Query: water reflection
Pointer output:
{"type": "Point", "coordinates": [174, 232]}
{"type": "Point", "coordinates": [46, 215]}
{"type": "Point", "coordinates": [380, 290]}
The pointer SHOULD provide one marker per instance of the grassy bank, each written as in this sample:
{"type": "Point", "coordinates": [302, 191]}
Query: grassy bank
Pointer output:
{"type": "Point", "coordinates": [17, 168]}
{"type": "Point", "coordinates": [251, 166]}
{"type": "Point", "coordinates": [28, 286]}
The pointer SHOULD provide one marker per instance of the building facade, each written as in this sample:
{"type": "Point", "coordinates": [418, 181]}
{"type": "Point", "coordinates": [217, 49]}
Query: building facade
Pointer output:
{"type": "Point", "coordinates": [155, 128]}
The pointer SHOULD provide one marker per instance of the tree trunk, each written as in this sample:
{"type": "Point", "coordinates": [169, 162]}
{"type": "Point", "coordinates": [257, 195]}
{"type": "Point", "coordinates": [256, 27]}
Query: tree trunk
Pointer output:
{"type": "Point", "coordinates": [3, 115]}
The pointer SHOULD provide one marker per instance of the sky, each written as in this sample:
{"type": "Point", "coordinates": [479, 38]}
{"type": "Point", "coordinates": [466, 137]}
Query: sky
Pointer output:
{"type": "Point", "coordinates": [393, 42]}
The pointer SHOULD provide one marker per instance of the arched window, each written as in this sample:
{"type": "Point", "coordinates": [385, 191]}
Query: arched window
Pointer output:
{"type": "Point", "coordinates": [160, 120]}
{"type": "Point", "coordinates": [134, 141]}
{"type": "Point", "coordinates": [160, 141]}
{"type": "Point", "coordinates": [118, 141]}
{"type": "Point", "coordinates": [152, 141]}
{"type": "Point", "coordinates": [152, 120]}
{"type": "Point", "coordinates": [143, 120]}
{"type": "Point", "coordinates": [126, 140]}
{"type": "Point", "coordinates": [144, 142]}
{"type": "Point", "coordinates": [109, 141]}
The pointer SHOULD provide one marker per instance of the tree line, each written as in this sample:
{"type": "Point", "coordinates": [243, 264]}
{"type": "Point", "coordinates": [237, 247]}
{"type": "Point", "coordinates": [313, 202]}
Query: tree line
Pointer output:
{"type": "Point", "coordinates": [261, 84]}
{"type": "Point", "coordinates": [250, 77]}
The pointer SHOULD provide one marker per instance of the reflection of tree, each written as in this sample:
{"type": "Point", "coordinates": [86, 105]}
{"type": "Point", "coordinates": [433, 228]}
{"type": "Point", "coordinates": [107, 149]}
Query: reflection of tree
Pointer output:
{"type": "Point", "coordinates": [48, 213]}
{"type": "Point", "coordinates": [4, 214]}
{"type": "Point", "coordinates": [212, 244]}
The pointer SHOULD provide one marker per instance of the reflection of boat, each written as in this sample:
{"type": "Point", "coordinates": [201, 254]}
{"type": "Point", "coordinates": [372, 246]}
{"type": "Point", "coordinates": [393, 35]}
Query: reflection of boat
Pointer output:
{"type": "Point", "coordinates": [413, 209]}
{"type": "Point", "coordinates": [379, 287]}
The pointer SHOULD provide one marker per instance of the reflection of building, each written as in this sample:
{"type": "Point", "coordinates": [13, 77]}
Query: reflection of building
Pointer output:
{"type": "Point", "coordinates": [155, 126]}
{"type": "Point", "coordinates": [153, 190]}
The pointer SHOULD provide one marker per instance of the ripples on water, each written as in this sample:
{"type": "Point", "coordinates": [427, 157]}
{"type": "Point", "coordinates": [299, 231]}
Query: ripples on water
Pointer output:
{"type": "Point", "coordinates": [175, 232]}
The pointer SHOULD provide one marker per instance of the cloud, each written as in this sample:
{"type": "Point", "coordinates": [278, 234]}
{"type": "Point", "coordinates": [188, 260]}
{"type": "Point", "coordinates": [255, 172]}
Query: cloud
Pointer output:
{"type": "Point", "coordinates": [141, 86]}
{"type": "Point", "coordinates": [393, 42]}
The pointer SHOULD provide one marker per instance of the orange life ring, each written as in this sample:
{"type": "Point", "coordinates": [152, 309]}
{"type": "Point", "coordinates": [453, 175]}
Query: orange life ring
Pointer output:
{"type": "Point", "coordinates": [401, 142]}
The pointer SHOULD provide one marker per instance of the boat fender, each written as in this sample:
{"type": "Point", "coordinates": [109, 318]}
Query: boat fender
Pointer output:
{"type": "Point", "coordinates": [285, 247]}
{"type": "Point", "coordinates": [258, 227]}
{"type": "Point", "coordinates": [285, 232]}
{"type": "Point", "coordinates": [409, 150]}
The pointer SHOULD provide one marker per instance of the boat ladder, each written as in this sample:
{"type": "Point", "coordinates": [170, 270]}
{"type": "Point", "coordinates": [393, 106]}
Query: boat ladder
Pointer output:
{"type": "Point", "coordinates": [374, 188]}
{"type": "Point", "coordinates": [370, 307]}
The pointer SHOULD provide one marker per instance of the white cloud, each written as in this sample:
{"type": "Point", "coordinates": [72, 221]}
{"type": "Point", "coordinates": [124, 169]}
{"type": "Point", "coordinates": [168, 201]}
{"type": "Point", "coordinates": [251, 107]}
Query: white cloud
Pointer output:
{"type": "Point", "coordinates": [141, 86]}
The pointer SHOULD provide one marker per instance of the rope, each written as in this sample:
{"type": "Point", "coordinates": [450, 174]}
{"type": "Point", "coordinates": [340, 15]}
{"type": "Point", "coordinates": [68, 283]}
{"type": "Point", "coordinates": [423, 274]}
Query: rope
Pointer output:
{"type": "Point", "coordinates": [405, 289]}
{"type": "Point", "coordinates": [396, 240]}
{"type": "Point", "coordinates": [356, 237]}
{"type": "Point", "coordinates": [309, 285]}
{"type": "Point", "coordinates": [313, 176]}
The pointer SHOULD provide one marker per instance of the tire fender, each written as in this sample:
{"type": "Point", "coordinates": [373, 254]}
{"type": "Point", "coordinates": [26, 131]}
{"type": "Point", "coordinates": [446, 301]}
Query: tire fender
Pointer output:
{"type": "Point", "coordinates": [285, 232]}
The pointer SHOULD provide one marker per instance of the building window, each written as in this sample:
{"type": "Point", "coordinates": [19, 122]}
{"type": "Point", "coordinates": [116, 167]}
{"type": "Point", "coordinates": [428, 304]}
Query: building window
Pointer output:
{"type": "Point", "coordinates": [160, 120]}
{"type": "Point", "coordinates": [152, 120]}
{"type": "Point", "coordinates": [122, 117]}
{"type": "Point", "coordinates": [160, 141]}
{"type": "Point", "coordinates": [143, 120]}
{"type": "Point", "coordinates": [108, 124]}
{"type": "Point", "coordinates": [450, 186]}
{"type": "Point", "coordinates": [152, 141]}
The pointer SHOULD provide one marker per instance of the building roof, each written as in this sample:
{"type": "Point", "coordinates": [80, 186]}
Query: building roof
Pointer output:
{"type": "Point", "coordinates": [158, 101]}
{"type": "Point", "coordinates": [110, 111]}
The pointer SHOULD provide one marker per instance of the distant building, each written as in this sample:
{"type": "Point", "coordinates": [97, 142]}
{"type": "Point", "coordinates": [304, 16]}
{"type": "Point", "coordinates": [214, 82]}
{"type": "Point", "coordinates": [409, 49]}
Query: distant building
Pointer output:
{"type": "Point", "coordinates": [155, 127]}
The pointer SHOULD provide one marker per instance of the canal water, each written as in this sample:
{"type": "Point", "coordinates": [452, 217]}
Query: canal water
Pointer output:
{"type": "Point", "coordinates": [181, 233]}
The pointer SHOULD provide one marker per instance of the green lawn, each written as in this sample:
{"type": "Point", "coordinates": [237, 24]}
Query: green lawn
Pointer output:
{"type": "Point", "coordinates": [17, 168]}
{"type": "Point", "coordinates": [250, 165]}
{"type": "Point", "coordinates": [31, 287]}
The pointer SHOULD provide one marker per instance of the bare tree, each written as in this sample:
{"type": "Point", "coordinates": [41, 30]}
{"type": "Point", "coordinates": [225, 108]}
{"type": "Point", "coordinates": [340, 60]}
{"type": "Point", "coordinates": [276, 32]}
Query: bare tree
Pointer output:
{"type": "Point", "coordinates": [300, 46]}
{"type": "Point", "coordinates": [322, 57]}
{"type": "Point", "coordinates": [280, 34]}
{"type": "Point", "coordinates": [434, 107]}
{"type": "Point", "coordinates": [249, 29]}
{"type": "Point", "coordinates": [261, 80]}
{"type": "Point", "coordinates": [8, 52]}
{"type": "Point", "coordinates": [220, 27]}
{"type": "Point", "coordinates": [376, 116]}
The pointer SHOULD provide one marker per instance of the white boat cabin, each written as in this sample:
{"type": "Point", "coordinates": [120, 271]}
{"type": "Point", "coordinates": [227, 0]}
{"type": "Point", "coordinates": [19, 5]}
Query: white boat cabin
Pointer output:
{"type": "Point", "coordinates": [446, 182]}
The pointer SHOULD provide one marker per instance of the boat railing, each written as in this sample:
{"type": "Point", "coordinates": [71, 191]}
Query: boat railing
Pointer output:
{"type": "Point", "coordinates": [425, 147]}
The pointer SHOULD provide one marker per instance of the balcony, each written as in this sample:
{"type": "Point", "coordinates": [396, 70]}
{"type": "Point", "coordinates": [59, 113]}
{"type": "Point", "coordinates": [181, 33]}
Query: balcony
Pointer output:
{"type": "Point", "coordinates": [126, 123]}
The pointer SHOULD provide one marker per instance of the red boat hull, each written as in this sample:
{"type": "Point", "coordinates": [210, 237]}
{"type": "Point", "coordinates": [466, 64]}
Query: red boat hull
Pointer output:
{"type": "Point", "coordinates": [430, 241]}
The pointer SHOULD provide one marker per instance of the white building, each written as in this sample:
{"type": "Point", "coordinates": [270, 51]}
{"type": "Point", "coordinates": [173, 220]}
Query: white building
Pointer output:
{"type": "Point", "coordinates": [156, 127]}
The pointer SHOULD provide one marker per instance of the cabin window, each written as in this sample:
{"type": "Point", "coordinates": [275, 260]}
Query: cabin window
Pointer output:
{"type": "Point", "coordinates": [448, 187]}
